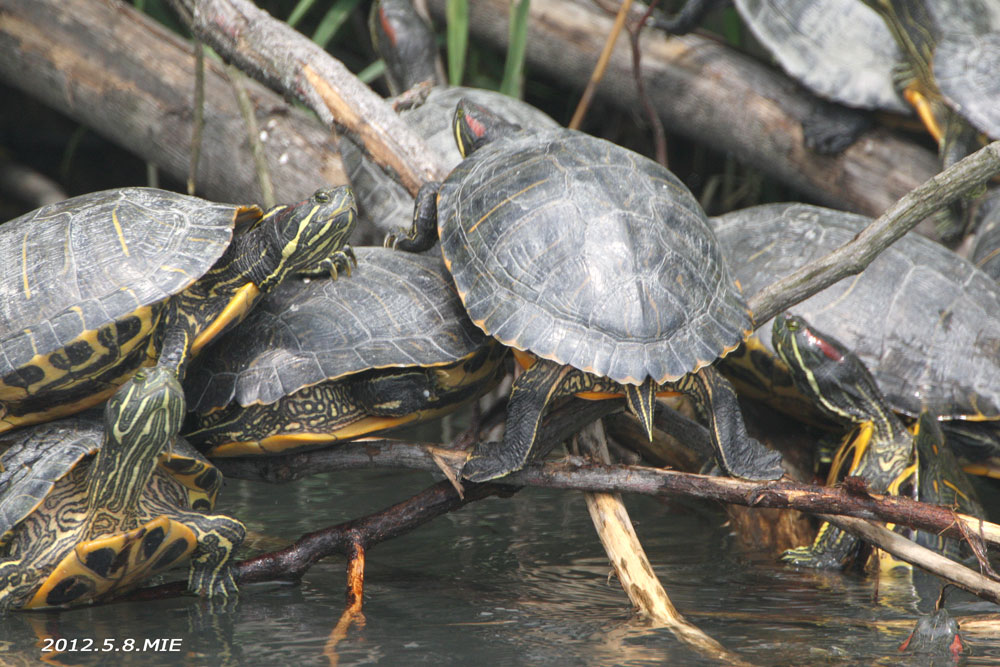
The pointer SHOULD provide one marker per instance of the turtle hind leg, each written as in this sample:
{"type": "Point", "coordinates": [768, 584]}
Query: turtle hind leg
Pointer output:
{"type": "Point", "coordinates": [211, 573]}
{"type": "Point", "coordinates": [737, 453]}
{"type": "Point", "coordinates": [529, 395]}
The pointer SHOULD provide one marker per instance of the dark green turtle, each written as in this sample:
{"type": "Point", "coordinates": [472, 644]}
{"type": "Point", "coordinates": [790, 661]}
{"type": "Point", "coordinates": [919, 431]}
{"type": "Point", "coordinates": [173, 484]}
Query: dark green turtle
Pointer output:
{"type": "Point", "coordinates": [878, 448]}
{"type": "Point", "coordinates": [924, 321]}
{"type": "Point", "coordinates": [90, 509]}
{"type": "Point", "coordinates": [839, 50]}
{"type": "Point", "coordinates": [96, 286]}
{"type": "Point", "coordinates": [406, 44]}
{"type": "Point", "coordinates": [600, 264]}
{"type": "Point", "coordinates": [321, 362]}
{"type": "Point", "coordinates": [950, 52]}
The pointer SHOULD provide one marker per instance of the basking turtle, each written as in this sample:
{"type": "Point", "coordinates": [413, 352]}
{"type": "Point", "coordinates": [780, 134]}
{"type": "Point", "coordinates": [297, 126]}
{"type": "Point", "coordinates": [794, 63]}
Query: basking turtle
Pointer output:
{"type": "Point", "coordinates": [879, 447]}
{"type": "Point", "coordinates": [950, 54]}
{"type": "Point", "coordinates": [89, 510]}
{"type": "Point", "coordinates": [599, 268]}
{"type": "Point", "coordinates": [321, 362]}
{"type": "Point", "coordinates": [406, 44]}
{"type": "Point", "coordinates": [924, 321]}
{"type": "Point", "coordinates": [96, 286]}
{"type": "Point", "coordinates": [838, 49]}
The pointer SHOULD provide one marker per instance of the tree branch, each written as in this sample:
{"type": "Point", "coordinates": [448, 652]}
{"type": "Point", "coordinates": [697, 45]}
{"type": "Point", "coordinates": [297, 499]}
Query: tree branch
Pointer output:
{"type": "Point", "coordinates": [855, 256]}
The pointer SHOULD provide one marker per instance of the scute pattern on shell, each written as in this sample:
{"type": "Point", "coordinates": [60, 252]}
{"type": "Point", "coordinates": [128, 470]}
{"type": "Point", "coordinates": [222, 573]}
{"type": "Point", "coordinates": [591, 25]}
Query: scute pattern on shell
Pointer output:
{"type": "Point", "coordinates": [396, 309]}
{"type": "Point", "coordinates": [924, 321]}
{"type": "Point", "coordinates": [74, 265]}
{"type": "Point", "coordinates": [590, 255]}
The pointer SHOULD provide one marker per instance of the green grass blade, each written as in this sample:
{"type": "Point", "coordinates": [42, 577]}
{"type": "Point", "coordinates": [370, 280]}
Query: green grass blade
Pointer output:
{"type": "Point", "coordinates": [457, 13]}
{"type": "Point", "coordinates": [513, 72]}
{"type": "Point", "coordinates": [372, 72]}
{"type": "Point", "coordinates": [334, 18]}
{"type": "Point", "coordinates": [301, 9]}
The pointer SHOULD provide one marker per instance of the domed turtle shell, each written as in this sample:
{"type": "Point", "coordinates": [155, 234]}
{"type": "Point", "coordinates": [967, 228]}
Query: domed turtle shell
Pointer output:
{"type": "Point", "coordinates": [588, 254]}
{"type": "Point", "coordinates": [37, 457]}
{"type": "Point", "coordinates": [109, 258]}
{"type": "Point", "coordinates": [924, 321]}
{"type": "Point", "coordinates": [397, 309]}
{"type": "Point", "coordinates": [839, 49]}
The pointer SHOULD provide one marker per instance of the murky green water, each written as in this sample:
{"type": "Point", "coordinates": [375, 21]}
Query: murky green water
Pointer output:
{"type": "Point", "coordinates": [503, 581]}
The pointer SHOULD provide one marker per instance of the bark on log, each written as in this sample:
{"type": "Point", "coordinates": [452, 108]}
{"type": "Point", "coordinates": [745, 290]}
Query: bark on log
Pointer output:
{"type": "Point", "coordinates": [131, 80]}
{"type": "Point", "coordinates": [715, 95]}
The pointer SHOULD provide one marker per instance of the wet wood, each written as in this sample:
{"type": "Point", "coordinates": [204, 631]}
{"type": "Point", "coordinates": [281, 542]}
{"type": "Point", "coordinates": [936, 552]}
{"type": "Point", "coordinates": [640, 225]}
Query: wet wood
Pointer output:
{"type": "Point", "coordinates": [573, 473]}
{"type": "Point", "coordinates": [628, 558]}
{"type": "Point", "coordinates": [130, 79]}
{"type": "Point", "coordinates": [716, 96]}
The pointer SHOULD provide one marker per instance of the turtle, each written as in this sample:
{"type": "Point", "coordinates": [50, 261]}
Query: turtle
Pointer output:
{"type": "Point", "coordinates": [949, 55]}
{"type": "Point", "coordinates": [597, 265]}
{"type": "Point", "coordinates": [90, 508]}
{"type": "Point", "coordinates": [985, 252]}
{"type": "Point", "coordinates": [406, 44]}
{"type": "Point", "coordinates": [878, 448]}
{"type": "Point", "coordinates": [840, 50]}
{"type": "Point", "coordinates": [321, 362]}
{"type": "Point", "coordinates": [93, 287]}
{"type": "Point", "coordinates": [924, 321]}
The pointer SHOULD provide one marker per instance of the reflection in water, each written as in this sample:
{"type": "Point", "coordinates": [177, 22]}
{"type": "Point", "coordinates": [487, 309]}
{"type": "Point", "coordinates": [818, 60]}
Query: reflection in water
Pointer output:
{"type": "Point", "coordinates": [512, 581]}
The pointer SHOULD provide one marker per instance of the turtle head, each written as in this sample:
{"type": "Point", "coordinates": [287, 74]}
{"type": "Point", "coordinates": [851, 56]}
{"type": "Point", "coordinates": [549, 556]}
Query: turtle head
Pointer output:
{"type": "Point", "coordinates": [147, 411]}
{"type": "Point", "coordinates": [476, 126]}
{"type": "Point", "coordinates": [405, 43]}
{"type": "Point", "coordinates": [140, 421]}
{"type": "Point", "coordinates": [826, 371]}
{"type": "Point", "coordinates": [301, 236]}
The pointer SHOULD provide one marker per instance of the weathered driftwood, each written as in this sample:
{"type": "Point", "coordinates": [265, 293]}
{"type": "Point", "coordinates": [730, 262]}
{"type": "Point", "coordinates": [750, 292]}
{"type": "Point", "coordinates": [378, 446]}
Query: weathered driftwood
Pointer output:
{"type": "Point", "coordinates": [711, 93]}
{"type": "Point", "coordinates": [271, 52]}
{"type": "Point", "coordinates": [130, 79]}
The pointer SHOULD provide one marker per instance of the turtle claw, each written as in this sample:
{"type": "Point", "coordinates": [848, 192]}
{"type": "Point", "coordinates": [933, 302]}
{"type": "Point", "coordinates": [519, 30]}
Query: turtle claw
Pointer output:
{"type": "Point", "coordinates": [339, 261]}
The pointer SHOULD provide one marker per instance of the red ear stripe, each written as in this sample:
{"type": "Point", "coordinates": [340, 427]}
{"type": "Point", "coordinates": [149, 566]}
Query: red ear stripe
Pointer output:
{"type": "Point", "coordinates": [386, 26]}
{"type": "Point", "coordinates": [829, 350]}
{"type": "Point", "coordinates": [475, 126]}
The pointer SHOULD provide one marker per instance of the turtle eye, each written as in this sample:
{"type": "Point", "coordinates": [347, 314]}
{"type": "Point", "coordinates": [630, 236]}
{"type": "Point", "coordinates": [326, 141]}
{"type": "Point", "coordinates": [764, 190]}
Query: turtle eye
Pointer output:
{"type": "Point", "coordinates": [322, 196]}
{"type": "Point", "coordinates": [793, 324]}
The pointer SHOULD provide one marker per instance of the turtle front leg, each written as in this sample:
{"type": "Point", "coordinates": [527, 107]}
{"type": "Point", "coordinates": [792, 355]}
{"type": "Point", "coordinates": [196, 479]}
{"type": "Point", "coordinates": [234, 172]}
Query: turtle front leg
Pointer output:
{"type": "Point", "coordinates": [529, 395]}
{"type": "Point", "coordinates": [17, 581]}
{"type": "Point", "coordinates": [736, 452]}
{"type": "Point", "coordinates": [423, 233]}
{"type": "Point", "coordinates": [211, 574]}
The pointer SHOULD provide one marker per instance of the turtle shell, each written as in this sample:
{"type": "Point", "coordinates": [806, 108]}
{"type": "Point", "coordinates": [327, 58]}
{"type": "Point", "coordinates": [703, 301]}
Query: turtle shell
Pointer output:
{"type": "Point", "coordinates": [839, 49]}
{"type": "Point", "coordinates": [590, 255]}
{"type": "Point", "coordinates": [387, 203]}
{"type": "Point", "coordinates": [37, 457]}
{"type": "Point", "coordinates": [396, 310]}
{"type": "Point", "coordinates": [924, 321]}
{"type": "Point", "coordinates": [80, 280]}
{"type": "Point", "coordinates": [965, 68]}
